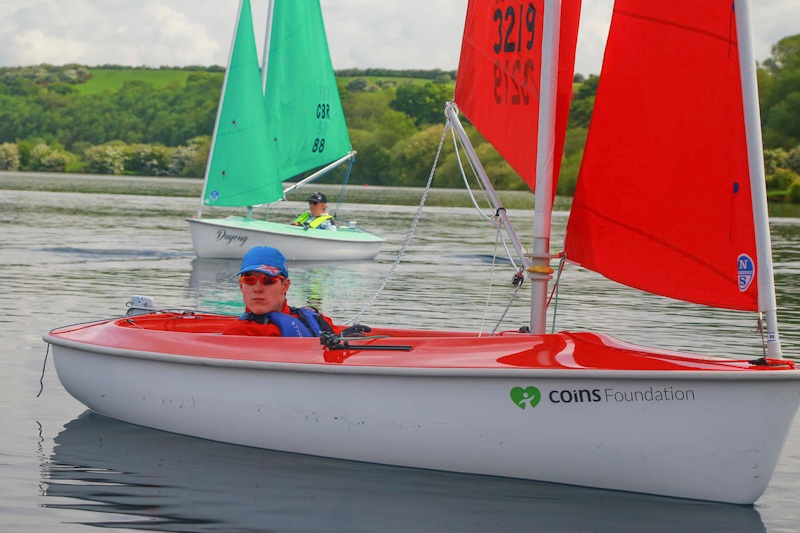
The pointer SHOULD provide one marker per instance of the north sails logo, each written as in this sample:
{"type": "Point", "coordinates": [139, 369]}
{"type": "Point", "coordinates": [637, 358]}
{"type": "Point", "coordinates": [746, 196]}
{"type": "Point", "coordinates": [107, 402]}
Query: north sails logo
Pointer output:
{"type": "Point", "coordinates": [746, 270]}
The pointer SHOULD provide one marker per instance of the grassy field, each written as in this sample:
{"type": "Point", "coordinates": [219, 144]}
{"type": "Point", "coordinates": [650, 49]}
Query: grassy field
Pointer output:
{"type": "Point", "coordinates": [113, 79]}
{"type": "Point", "coordinates": [375, 79]}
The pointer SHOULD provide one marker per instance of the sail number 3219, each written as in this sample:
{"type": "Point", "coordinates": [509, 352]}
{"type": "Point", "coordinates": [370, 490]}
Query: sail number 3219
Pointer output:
{"type": "Point", "coordinates": [515, 37]}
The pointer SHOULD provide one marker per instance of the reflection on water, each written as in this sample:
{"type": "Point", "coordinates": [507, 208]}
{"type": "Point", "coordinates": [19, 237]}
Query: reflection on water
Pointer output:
{"type": "Point", "coordinates": [138, 478]}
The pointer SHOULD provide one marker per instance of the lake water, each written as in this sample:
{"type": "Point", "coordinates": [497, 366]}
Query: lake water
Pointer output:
{"type": "Point", "coordinates": [69, 257]}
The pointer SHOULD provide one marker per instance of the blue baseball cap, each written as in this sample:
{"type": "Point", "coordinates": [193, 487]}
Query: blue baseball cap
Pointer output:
{"type": "Point", "coordinates": [264, 259]}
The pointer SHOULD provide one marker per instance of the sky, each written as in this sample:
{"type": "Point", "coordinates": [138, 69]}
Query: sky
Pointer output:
{"type": "Point", "coordinates": [394, 34]}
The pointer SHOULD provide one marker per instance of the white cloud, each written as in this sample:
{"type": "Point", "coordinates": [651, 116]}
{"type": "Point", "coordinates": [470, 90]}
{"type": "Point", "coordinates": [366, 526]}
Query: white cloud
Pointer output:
{"type": "Point", "coordinates": [592, 34]}
{"type": "Point", "coordinates": [421, 34]}
{"type": "Point", "coordinates": [175, 40]}
{"type": "Point", "coordinates": [33, 47]}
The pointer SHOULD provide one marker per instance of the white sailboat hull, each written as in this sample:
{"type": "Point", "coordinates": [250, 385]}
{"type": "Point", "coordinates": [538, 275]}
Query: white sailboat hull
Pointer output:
{"type": "Point", "coordinates": [690, 434]}
{"type": "Point", "coordinates": [232, 237]}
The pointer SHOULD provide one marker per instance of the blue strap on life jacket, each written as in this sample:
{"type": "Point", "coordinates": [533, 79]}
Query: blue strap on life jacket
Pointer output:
{"type": "Point", "coordinates": [313, 320]}
{"type": "Point", "coordinates": [307, 323]}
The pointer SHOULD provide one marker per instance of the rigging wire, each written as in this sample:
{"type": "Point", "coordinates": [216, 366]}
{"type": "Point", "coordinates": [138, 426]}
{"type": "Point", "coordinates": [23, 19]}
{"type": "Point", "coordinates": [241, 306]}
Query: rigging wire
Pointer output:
{"type": "Point", "coordinates": [513, 294]}
{"type": "Point", "coordinates": [554, 292]}
{"type": "Point", "coordinates": [491, 219]}
{"type": "Point", "coordinates": [491, 280]}
{"type": "Point", "coordinates": [404, 247]}
{"type": "Point", "coordinates": [496, 221]}
{"type": "Point", "coordinates": [344, 186]}
{"type": "Point", "coordinates": [508, 306]}
{"type": "Point", "coordinates": [760, 331]}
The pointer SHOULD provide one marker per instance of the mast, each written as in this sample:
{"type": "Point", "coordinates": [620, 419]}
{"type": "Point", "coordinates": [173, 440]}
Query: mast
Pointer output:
{"type": "Point", "coordinates": [265, 55]}
{"type": "Point", "coordinates": [752, 117]}
{"type": "Point", "coordinates": [540, 270]}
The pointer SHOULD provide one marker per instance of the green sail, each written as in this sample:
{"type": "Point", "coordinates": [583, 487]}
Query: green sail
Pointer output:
{"type": "Point", "coordinates": [242, 169]}
{"type": "Point", "coordinates": [304, 112]}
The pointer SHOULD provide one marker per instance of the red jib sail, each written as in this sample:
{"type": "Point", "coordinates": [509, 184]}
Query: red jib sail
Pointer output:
{"type": "Point", "coordinates": [663, 201]}
{"type": "Point", "coordinates": [499, 74]}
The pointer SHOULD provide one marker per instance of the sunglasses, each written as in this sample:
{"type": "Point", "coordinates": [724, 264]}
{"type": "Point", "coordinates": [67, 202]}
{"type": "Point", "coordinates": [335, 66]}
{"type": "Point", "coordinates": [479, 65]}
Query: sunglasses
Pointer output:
{"type": "Point", "coordinates": [312, 202]}
{"type": "Point", "coordinates": [253, 279]}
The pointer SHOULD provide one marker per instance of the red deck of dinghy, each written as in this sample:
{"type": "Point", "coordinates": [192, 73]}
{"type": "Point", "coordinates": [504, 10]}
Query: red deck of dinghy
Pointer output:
{"type": "Point", "coordinates": [198, 335]}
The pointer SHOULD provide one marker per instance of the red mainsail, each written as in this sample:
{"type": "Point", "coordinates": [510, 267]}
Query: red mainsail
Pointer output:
{"type": "Point", "coordinates": [499, 74]}
{"type": "Point", "coordinates": [663, 201]}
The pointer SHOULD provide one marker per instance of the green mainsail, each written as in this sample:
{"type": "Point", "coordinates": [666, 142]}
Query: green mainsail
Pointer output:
{"type": "Point", "coordinates": [306, 122]}
{"type": "Point", "coordinates": [242, 168]}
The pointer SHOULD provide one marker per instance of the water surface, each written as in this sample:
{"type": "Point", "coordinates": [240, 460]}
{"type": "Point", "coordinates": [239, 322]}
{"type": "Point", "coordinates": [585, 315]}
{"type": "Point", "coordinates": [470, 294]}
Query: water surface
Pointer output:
{"type": "Point", "coordinates": [75, 256]}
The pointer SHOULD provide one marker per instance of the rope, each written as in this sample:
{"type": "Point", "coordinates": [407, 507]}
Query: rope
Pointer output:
{"type": "Point", "coordinates": [497, 222]}
{"type": "Point", "coordinates": [508, 306]}
{"type": "Point", "coordinates": [561, 263]}
{"type": "Point", "coordinates": [760, 319]}
{"type": "Point", "coordinates": [44, 366]}
{"type": "Point", "coordinates": [411, 231]}
{"type": "Point", "coordinates": [493, 220]}
{"type": "Point", "coordinates": [491, 282]}
{"type": "Point", "coordinates": [344, 186]}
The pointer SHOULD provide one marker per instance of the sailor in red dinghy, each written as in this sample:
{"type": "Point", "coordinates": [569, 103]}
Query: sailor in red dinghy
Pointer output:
{"type": "Point", "coordinates": [264, 281]}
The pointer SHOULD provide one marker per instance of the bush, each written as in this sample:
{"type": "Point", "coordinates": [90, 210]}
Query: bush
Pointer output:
{"type": "Point", "coordinates": [25, 148]}
{"type": "Point", "coordinates": [105, 159]}
{"type": "Point", "coordinates": [781, 180]}
{"type": "Point", "coordinates": [148, 159]}
{"type": "Point", "coordinates": [190, 160]}
{"type": "Point", "coordinates": [9, 156]}
{"type": "Point", "coordinates": [357, 85]}
{"type": "Point", "coordinates": [57, 161]}
{"type": "Point", "coordinates": [793, 159]}
{"type": "Point", "coordinates": [794, 193]}
{"type": "Point", "coordinates": [568, 177]}
{"type": "Point", "coordinates": [775, 159]}
{"type": "Point", "coordinates": [50, 158]}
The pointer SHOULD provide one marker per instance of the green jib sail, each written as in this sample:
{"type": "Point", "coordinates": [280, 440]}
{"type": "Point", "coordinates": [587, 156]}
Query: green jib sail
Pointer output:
{"type": "Point", "coordinates": [242, 169]}
{"type": "Point", "coordinates": [306, 122]}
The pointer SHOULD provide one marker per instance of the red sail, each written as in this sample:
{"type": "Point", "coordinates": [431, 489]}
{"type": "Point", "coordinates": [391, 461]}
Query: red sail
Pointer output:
{"type": "Point", "coordinates": [663, 201]}
{"type": "Point", "coordinates": [499, 74]}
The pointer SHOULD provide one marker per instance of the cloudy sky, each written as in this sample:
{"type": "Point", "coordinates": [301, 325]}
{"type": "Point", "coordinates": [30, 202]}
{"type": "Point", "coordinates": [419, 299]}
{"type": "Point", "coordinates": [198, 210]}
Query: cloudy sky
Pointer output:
{"type": "Point", "coordinates": [422, 34]}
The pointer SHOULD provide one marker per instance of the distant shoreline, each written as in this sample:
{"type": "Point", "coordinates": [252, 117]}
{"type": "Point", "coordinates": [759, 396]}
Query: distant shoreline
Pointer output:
{"type": "Point", "coordinates": [192, 187]}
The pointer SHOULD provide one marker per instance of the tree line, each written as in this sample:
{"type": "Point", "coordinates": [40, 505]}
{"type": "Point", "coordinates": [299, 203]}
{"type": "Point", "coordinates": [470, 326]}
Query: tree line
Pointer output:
{"type": "Point", "coordinates": [395, 120]}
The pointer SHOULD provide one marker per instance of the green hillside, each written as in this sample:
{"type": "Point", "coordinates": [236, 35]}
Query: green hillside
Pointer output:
{"type": "Point", "coordinates": [113, 119]}
{"type": "Point", "coordinates": [112, 79]}
{"type": "Point", "coordinates": [104, 79]}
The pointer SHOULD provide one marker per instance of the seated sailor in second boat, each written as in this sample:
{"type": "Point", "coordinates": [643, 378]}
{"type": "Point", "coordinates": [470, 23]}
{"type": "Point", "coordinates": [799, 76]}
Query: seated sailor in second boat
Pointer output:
{"type": "Point", "coordinates": [316, 217]}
